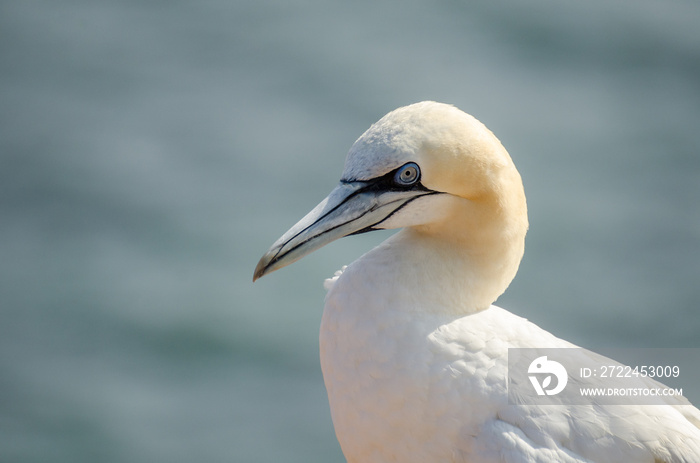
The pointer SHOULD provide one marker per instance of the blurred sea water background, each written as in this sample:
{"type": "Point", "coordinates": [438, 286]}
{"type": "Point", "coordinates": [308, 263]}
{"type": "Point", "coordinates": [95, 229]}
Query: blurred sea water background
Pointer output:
{"type": "Point", "coordinates": [150, 152]}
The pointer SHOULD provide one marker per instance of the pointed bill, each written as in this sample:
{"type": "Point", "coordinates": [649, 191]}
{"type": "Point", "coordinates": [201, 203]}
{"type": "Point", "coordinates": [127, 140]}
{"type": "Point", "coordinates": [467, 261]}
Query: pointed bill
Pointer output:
{"type": "Point", "coordinates": [352, 207]}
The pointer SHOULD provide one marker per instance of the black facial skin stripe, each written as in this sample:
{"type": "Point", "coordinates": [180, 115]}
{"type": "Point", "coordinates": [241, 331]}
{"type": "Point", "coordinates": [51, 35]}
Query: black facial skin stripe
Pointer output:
{"type": "Point", "coordinates": [374, 227]}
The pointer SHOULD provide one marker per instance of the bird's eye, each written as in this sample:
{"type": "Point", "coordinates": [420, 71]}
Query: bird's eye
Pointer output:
{"type": "Point", "coordinates": [407, 175]}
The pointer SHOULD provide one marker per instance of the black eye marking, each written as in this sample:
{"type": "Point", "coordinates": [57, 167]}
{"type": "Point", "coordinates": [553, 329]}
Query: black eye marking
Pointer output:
{"type": "Point", "coordinates": [407, 175]}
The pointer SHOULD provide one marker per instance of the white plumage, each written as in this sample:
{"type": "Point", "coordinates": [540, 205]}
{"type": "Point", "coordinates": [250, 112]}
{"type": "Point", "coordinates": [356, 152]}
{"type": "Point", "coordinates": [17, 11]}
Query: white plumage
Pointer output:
{"type": "Point", "coordinates": [414, 356]}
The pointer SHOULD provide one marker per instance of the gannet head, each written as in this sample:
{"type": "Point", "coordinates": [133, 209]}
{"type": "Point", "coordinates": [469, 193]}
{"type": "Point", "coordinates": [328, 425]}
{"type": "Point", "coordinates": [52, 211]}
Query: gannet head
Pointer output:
{"type": "Point", "coordinates": [427, 166]}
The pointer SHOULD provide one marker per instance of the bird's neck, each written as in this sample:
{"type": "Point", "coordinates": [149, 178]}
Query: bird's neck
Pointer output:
{"type": "Point", "coordinates": [459, 266]}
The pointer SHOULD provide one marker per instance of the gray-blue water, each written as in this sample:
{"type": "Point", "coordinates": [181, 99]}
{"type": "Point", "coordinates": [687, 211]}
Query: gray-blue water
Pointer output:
{"type": "Point", "coordinates": [150, 152]}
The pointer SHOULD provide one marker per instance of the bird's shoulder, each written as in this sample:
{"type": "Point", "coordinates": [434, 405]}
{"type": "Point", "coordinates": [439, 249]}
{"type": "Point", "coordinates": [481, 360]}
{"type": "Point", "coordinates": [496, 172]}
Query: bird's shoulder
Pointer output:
{"type": "Point", "coordinates": [475, 347]}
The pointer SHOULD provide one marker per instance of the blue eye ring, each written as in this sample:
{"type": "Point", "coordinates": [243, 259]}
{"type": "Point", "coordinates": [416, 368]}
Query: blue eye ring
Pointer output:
{"type": "Point", "coordinates": [407, 175]}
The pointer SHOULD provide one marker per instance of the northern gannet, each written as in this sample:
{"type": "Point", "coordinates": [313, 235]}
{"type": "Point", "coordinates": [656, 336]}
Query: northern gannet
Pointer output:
{"type": "Point", "coordinates": [413, 353]}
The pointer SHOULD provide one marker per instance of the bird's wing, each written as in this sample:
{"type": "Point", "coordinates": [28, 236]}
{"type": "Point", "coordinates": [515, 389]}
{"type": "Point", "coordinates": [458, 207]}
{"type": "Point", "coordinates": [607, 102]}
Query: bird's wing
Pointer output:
{"type": "Point", "coordinates": [600, 433]}
{"type": "Point", "coordinates": [593, 433]}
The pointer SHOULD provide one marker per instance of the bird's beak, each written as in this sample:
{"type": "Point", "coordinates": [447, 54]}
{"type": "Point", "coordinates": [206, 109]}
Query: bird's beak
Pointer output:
{"type": "Point", "coordinates": [351, 208]}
